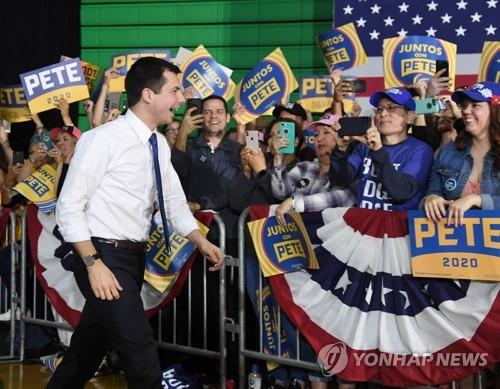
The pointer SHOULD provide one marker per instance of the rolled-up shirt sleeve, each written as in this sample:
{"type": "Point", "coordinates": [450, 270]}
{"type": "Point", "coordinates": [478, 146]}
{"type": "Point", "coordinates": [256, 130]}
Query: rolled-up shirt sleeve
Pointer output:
{"type": "Point", "coordinates": [85, 172]}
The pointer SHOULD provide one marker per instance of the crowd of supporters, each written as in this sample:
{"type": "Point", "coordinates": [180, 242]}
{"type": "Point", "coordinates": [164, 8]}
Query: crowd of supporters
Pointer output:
{"type": "Point", "coordinates": [444, 163]}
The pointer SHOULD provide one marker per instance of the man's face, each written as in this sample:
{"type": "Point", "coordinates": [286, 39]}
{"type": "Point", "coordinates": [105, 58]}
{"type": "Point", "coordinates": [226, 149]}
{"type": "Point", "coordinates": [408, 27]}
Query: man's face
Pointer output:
{"type": "Point", "coordinates": [167, 100]}
{"type": "Point", "coordinates": [215, 117]}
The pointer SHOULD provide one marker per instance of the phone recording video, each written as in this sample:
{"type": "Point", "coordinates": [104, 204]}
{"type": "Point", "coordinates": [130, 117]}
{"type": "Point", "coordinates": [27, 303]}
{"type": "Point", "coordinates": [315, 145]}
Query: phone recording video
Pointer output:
{"type": "Point", "coordinates": [197, 103]}
{"type": "Point", "coordinates": [440, 65]}
{"type": "Point", "coordinates": [18, 158]}
{"type": "Point", "coordinates": [354, 126]}
{"type": "Point", "coordinates": [287, 129]}
{"type": "Point", "coordinates": [356, 85]}
{"type": "Point", "coordinates": [252, 139]}
{"type": "Point", "coordinates": [46, 140]}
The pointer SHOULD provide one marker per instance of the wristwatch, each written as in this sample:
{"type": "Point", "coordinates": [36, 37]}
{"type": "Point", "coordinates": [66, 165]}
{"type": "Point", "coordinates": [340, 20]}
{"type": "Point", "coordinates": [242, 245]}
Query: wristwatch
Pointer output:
{"type": "Point", "coordinates": [90, 259]}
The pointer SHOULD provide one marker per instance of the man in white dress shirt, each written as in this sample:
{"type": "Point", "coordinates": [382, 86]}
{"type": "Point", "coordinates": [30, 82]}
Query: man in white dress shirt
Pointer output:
{"type": "Point", "coordinates": [105, 210]}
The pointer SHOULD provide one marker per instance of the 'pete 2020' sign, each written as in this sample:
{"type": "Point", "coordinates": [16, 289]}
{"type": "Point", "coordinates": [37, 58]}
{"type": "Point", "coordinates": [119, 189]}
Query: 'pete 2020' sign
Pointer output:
{"type": "Point", "coordinates": [43, 87]}
{"type": "Point", "coordinates": [470, 251]}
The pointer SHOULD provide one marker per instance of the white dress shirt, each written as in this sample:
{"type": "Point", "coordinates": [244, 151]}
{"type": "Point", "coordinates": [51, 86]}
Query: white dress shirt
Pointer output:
{"type": "Point", "coordinates": [110, 187]}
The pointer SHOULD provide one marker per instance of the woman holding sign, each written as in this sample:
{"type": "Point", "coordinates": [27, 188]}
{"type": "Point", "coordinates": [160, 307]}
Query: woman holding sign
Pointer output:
{"type": "Point", "coordinates": [466, 173]}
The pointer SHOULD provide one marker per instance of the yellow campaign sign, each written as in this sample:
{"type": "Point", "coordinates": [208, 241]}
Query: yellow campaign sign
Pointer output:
{"type": "Point", "coordinates": [44, 86]}
{"type": "Point", "coordinates": [13, 105]}
{"type": "Point", "coordinates": [39, 187]}
{"type": "Point", "coordinates": [470, 251]}
{"type": "Point", "coordinates": [162, 269]}
{"type": "Point", "coordinates": [315, 93]}
{"type": "Point", "coordinates": [489, 70]}
{"type": "Point", "coordinates": [265, 86]}
{"type": "Point", "coordinates": [411, 56]}
{"type": "Point", "coordinates": [282, 248]}
{"type": "Point", "coordinates": [124, 61]}
{"type": "Point", "coordinates": [205, 75]}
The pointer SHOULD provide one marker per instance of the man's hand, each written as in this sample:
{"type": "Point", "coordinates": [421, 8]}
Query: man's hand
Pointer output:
{"type": "Point", "coordinates": [190, 122]}
{"type": "Point", "coordinates": [238, 112]}
{"type": "Point", "coordinates": [103, 282]}
{"type": "Point", "coordinates": [212, 253]}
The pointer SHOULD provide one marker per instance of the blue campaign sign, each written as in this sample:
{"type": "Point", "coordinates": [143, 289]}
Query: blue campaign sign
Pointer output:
{"type": "Point", "coordinates": [282, 248]}
{"type": "Point", "coordinates": [470, 251]}
{"type": "Point", "coordinates": [263, 87]}
{"type": "Point", "coordinates": [42, 87]}
{"type": "Point", "coordinates": [309, 138]}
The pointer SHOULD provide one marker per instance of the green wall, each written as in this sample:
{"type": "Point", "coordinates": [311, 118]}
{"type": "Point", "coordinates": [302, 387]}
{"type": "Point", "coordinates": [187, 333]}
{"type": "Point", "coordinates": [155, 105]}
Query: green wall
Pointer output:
{"type": "Point", "coordinates": [237, 33]}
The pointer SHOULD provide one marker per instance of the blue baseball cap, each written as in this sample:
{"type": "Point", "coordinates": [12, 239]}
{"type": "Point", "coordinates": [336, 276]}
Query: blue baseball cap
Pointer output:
{"type": "Point", "coordinates": [482, 91]}
{"type": "Point", "coordinates": [400, 96]}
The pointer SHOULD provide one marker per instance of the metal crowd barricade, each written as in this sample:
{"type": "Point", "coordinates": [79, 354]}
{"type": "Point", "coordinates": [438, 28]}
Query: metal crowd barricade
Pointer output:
{"type": "Point", "coordinates": [10, 304]}
{"type": "Point", "coordinates": [39, 313]}
{"type": "Point", "coordinates": [35, 314]}
{"type": "Point", "coordinates": [246, 352]}
{"type": "Point", "coordinates": [188, 348]}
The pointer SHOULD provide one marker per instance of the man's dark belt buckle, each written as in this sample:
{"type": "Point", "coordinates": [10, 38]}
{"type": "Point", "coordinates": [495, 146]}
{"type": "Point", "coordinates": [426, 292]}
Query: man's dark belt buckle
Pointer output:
{"type": "Point", "coordinates": [124, 244]}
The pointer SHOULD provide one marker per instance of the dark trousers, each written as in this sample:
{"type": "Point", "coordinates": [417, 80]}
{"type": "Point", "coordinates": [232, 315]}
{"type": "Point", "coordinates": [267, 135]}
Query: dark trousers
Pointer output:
{"type": "Point", "coordinates": [121, 324]}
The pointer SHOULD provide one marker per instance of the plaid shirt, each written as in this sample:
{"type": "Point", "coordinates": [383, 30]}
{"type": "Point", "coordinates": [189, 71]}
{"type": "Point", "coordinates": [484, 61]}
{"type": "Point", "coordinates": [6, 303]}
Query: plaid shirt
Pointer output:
{"type": "Point", "coordinates": [316, 195]}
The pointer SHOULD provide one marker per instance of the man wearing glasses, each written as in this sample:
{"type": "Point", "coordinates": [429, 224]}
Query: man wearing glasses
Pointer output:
{"type": "Point", "coordinates": [391, 166]}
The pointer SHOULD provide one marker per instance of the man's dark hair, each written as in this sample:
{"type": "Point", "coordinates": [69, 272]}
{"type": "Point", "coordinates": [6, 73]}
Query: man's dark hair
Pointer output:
{"type": "Point", "coordinates": [146, 72]}
{"type": "Point", "coordinates": [215, 97]}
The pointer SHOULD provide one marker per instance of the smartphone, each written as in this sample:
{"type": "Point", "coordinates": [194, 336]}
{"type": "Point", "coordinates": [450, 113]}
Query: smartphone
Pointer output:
{"type": "Point", "coordinates": [252, 139]}
{"type": "Point", "coordinates": [287, 129]}
{"type": "Point", "coordinates": [354, 126]}
{"type": "Point", "coordinates": [357, 85]}
{"type": "Point", "coordinates": [425, 106]}
{"type": "Point", "coordinates": [46, 139]}
{"type": "Point", "coordinates": [442, 65]}
{"type": "Point", "coordinates": [18, 158]}
{"type": "Point", "coordinates": [197, 103]}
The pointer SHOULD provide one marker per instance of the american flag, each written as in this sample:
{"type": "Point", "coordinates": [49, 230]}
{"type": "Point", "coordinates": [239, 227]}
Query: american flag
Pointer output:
{"type": "Point", "coordinates": [465, 23]}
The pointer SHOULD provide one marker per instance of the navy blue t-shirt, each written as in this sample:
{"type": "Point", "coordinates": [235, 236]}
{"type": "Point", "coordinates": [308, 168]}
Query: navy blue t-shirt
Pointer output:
{"type": "Point", "coordinates": [410, 157]}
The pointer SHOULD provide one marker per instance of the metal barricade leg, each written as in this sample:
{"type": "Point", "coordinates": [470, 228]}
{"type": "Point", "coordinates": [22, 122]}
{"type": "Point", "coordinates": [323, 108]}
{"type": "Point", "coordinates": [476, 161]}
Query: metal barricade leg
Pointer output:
{"type": "Point", "coordinates": [22, 328]}
{"type": "Point", "coordinates": [222, 305]}
{"type": "Point", "coordinates": [241, 297]}
{"type": "Point", "coordinates": [13, 284]}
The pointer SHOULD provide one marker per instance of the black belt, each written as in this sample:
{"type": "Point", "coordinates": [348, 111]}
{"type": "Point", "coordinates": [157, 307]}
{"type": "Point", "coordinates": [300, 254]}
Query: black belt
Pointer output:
{"type": "Point", "coordinates": [139, 247]}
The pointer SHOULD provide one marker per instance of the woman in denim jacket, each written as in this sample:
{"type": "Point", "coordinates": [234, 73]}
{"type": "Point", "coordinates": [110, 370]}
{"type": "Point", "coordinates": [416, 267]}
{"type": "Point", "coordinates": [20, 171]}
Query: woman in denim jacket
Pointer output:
{"type": "Point", "coordinates": [466, 173]}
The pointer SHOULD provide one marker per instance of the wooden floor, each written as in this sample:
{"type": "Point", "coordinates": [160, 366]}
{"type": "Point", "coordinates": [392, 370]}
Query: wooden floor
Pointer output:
{"type": "Point", "coordinates": [36, 376]}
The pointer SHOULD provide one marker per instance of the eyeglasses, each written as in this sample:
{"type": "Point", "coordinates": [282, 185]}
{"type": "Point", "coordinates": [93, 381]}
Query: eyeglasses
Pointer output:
{"type": "Point", "coordinates": [474, 106]}
{"type": "Point", "coordinates": [391, 108]}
